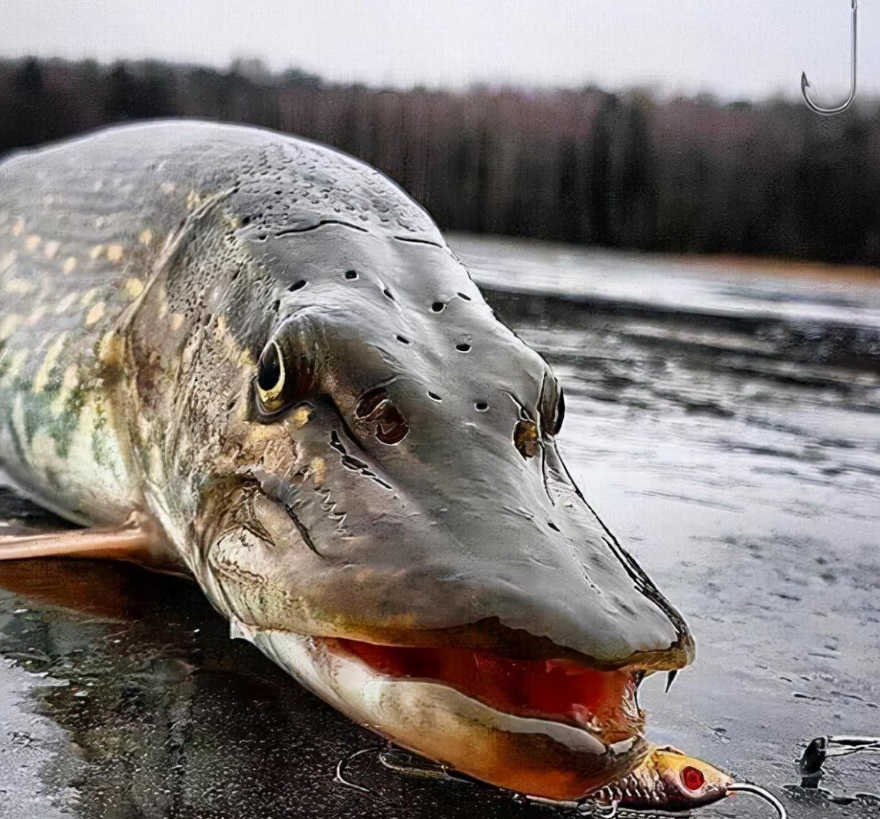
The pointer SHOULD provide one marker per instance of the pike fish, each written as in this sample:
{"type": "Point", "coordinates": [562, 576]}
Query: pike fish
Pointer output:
{"type": "Point", "coordinates": [253, 360]}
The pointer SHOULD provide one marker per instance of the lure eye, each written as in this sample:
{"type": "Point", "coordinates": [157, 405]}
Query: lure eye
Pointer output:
{"type": "Point", "coordinates": [692, 778]}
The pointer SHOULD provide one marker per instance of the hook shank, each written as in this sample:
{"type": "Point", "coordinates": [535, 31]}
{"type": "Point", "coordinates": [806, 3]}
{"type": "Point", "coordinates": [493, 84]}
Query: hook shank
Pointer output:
{"type": "Point", "coordinates": [805, 83]}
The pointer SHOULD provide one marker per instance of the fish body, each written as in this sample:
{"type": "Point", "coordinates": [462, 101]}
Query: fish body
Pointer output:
{"type": "Point", "coordinates": [262, 354]}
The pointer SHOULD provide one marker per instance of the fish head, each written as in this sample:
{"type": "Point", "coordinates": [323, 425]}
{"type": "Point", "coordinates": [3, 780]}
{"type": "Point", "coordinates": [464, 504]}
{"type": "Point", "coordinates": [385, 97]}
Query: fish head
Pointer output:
{"type": "Point", "coordinates": [396, 526]}
{"type": "Point", "coordinates": [363, 462]}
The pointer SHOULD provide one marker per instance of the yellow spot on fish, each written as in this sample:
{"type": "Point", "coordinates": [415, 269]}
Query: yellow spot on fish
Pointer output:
{"type": "Point", "coordinates": [134, 287]}
{"type": "Point", "coordinates": [88, 297]}
{"type": "Point", "coordinates": [6, 261]}
{"type": "Point", "coordinates": [18, 228]}
{"type": "Point", "coordinates": [114, 252]}
{"type": "Point", "coordinates": [193, 200]}
{"type": "Point", "coordinates": [221, 331]}
{"type": "Point", "coordinates": [167, 188]}
{"type": "Point", "coordinates": [8, 326]}
{"type": "Point", "coordinates": [36, 315]}
{"type": "Point", "coordinates": [32, 242]}
{"type": "Point", "coordinates": [146, 237]}
{"type": "Point", "coordinates": [18, 417]}
{"type": "Point", "coordinates": [51, 249]}
{"type": "Point", "coordinates": [59, 402]}
{"type": "Point", "coordinates": [155, 467]}
{"type": "Point", "coordinates": [95, 314]}
{"type": "Point", "coordinates": [301, 416]}
{"type": "Point", "coordinates": [66, 303]}
{"type": "Point", "coordinates": [177, 321]}
{"type": "Point", "coordinates": [318, 470]}
{"type": "Point", "coordinates": [20, 286]}
{"type": "Point", "coordinates": [51, 358]}
{"type": "Point", "coordinates": [71, 378]}
{"type": "Point", "coordinates": [163, 309]}
{"type": "Point", "coordinates": [69, 264]}
{"type": "Point", "coordinates": [97, 251]}
{"type": "Point", "coordinates": [110, 349]}
{"type": "Point", "coordinates": [16, 361]}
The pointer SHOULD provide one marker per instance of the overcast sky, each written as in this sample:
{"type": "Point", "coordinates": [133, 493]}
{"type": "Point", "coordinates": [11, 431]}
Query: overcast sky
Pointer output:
{"type": "Point", "coordinates": [734, 48]}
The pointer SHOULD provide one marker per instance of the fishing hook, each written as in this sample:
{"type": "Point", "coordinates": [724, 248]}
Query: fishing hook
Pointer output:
{"type": "Point", "coordinates": [821, 748]}
{"type": "Point", "coordinates": [747, 787]}
{"type": "Point", "coordinates": [419, 770]}
{"type": "Point", "coordinates": [591, 809]}
{"type": "Point", "coordinates": [805, 83]}
{"type": "Point", "coordinates": [405, 764]}
{"type": "Point", "coordinates": [343, 764]}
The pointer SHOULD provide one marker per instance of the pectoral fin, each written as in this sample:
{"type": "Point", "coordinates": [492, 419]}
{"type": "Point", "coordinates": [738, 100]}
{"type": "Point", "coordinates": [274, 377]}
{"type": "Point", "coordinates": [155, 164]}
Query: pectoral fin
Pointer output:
{"type": "Point", "coordinates": [135, 541]}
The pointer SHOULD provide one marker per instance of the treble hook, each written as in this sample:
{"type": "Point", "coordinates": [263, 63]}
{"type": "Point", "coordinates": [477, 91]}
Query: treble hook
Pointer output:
{"type": "Point", "coordinates": [805, 83]}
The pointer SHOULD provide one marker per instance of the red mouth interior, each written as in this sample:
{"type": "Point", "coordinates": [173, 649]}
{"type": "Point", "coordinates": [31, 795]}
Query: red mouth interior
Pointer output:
{"type": "Point", "coordinates": [559, 690]}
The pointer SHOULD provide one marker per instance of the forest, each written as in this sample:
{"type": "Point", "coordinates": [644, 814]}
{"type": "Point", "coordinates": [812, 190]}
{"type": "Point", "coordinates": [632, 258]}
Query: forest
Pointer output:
{"type": "Point", "coordinates": [626, 170]}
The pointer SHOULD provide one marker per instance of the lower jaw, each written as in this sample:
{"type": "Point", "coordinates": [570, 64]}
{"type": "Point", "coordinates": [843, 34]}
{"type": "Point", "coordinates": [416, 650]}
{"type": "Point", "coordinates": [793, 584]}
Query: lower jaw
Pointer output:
{"type": "Point", "coordinates": [535, 756]}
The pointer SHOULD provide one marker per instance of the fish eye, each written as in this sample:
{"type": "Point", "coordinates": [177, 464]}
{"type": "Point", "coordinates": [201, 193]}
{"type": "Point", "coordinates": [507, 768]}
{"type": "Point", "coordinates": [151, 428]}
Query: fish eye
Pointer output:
{"type": "Point", "coordinates": [692, 778]}
{"type": "Point", "coordinates": [559, 414]}
{"type": "Point", "coordinates": [376, 408]}
{"type": "Point", "coordinates": [271, 379]}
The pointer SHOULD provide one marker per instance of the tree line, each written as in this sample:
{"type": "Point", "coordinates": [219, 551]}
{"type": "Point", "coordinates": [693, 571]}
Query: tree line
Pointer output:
{"type": "Point", "coordinates": [624, 170]}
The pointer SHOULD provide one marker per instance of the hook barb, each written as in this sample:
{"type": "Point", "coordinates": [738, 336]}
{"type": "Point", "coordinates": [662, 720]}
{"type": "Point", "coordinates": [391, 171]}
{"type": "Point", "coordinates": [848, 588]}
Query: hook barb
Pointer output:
{"type": "Point", "coordinates": [844, 106]}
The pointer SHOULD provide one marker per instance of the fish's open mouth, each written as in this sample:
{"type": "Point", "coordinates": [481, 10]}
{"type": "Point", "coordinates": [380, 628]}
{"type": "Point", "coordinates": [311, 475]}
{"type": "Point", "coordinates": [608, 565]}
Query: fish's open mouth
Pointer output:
{"type": "Point", "coordinates": [602, 702]}
{"type": "Point", "coordinates": [552, 728]}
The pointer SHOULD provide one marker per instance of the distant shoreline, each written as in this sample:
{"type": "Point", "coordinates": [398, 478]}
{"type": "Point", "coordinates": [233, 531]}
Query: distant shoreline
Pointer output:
{"type": "Point", "coordinates": [766, 266]}
{"type": "Point", "coordinates": [586, 166]}
{"type": "Point", "coordinates": [794, 268]}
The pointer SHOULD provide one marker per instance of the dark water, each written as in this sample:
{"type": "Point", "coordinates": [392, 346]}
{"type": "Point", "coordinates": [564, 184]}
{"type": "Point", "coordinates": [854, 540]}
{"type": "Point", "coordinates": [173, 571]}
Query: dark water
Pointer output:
{"type": "Point", "coordinates": [725, 424]}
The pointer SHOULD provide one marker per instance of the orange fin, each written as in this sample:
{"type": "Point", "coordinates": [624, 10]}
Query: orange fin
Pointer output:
{"type": "Point", "coordinates": [134, 541]}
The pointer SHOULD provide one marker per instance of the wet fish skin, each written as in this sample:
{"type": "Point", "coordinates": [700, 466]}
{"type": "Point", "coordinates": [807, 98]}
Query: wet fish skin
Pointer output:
{"type": "Point", "coordinates": [144, 273]}
{"type": "Point", "coordinates": [82, 229]}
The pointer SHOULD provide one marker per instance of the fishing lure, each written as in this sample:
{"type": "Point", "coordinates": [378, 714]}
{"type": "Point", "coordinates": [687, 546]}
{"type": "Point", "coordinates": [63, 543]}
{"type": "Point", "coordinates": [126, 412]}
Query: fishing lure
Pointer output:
{"type": "Point", "coordinates": [668, 783]}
